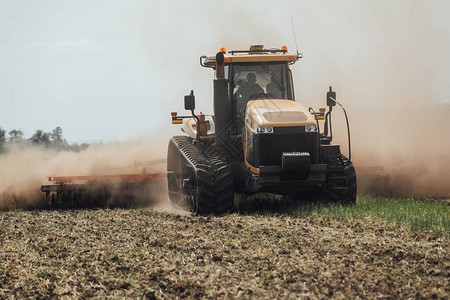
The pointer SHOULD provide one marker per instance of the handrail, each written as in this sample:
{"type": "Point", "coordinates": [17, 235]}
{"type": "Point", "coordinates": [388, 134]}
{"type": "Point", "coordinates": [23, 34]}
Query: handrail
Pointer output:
{"type": "Point", "coordinates": [318, 129]}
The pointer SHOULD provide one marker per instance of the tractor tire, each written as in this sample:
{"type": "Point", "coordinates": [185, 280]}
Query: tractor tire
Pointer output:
{"type": "Point", "coordinates": [340, 186]}
{"type": "Point", "coordinates": [199, 177]}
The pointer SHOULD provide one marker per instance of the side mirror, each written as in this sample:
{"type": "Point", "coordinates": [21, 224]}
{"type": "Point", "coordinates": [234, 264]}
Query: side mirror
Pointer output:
{"type": "Point", "coordinates": [189, 101]}
{"type": "Point", "coordinates": [331, 94]}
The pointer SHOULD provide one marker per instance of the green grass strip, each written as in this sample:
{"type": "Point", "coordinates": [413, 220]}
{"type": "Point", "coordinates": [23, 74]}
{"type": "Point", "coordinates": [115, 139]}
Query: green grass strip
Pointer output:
{"type": "Point", "coordinates": [418, 214]}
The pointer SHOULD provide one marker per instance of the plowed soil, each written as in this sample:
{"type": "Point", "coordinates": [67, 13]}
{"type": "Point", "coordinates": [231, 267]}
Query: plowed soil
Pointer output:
{"type": "Point", "coordinates": [143, 253]}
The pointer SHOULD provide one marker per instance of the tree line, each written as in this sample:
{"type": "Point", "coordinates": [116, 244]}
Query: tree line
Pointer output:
{"type": "Point", "coordinates": [53, 139]}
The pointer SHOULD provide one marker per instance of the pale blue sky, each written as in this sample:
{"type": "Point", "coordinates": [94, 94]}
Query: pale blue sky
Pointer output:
{"type": "Point", "coordinates": [114, 70]}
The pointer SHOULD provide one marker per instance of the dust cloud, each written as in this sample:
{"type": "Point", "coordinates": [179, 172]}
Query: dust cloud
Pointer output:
{"type": "Point", "coordinates": [411, 144]}
{"type": "Point", "coordinates": [389, 67]}
{"type": "Point", "coordinates": [24, 168]}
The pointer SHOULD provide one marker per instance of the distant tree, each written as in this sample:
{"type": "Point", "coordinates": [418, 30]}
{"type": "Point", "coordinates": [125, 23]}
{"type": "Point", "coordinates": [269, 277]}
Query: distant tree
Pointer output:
{"type": "Point", "coordinates": [56, 135]}
{"type": "Point", "coordinates": [15, 135]}
{"type": "Point", "coordinates": [41, 138]}
{"type": "Point", "coordinates": [2, 139]}
{"type": "Point", "coordinates": [54, 139]}
{"type": "Point", "coordinates": [57, 138]}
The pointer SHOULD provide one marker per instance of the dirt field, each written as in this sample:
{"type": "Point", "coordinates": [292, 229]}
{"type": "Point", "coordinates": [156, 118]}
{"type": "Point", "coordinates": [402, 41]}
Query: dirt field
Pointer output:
{"type": "Point", "coordinates": [143, 253]}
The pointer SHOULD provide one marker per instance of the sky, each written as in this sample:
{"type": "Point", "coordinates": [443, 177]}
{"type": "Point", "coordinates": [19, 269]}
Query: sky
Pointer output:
{"type": "Point", "coordinates": [114, 70]}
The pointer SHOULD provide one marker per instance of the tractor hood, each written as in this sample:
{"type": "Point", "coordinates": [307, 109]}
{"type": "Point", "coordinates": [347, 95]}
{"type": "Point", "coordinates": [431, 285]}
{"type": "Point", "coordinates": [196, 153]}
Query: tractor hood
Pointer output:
{"type": "Point", "coordinates": [277, 113]}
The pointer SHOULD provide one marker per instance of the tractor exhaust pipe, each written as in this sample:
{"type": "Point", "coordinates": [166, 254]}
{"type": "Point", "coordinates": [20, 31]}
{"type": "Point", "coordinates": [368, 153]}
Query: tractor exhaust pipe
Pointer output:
{"type": "Point", "coordinates": [221, 103]}
{"type": "Point", "coordinates": [220, 73]}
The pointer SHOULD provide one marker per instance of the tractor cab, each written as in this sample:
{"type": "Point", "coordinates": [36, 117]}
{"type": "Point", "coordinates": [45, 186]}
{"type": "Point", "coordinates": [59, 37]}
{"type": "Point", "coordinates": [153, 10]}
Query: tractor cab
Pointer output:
{"type": "Point", "coordinates": [253, 81]}
{"type": "Point", "coordinates": [254, 74]}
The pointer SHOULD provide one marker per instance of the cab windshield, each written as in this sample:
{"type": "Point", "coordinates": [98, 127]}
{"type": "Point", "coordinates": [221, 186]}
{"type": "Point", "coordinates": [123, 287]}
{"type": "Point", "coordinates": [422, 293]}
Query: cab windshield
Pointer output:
{"type": "Point", "coordinates": [258, 81]}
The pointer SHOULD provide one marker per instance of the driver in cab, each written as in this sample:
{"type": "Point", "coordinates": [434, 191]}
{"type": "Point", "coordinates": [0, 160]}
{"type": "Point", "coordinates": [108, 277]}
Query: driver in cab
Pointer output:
{"type": "Point", "coordinates": [244, 92]}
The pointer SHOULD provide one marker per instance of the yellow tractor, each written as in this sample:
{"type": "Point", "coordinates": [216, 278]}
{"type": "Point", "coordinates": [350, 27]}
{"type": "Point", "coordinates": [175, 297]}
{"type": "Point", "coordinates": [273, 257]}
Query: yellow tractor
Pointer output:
{"type": "Point", "coordinates": [258, 140]}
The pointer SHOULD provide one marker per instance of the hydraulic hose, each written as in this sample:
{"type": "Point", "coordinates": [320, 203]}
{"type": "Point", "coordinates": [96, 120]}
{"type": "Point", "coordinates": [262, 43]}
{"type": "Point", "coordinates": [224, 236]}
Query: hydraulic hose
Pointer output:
{"type": "Point", "coordinates": [348, 130]}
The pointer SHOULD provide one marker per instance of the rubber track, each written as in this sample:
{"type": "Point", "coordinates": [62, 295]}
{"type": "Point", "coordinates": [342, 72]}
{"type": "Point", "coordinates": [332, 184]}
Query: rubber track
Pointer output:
{"type": "Point", "coordinates": [215, 178]}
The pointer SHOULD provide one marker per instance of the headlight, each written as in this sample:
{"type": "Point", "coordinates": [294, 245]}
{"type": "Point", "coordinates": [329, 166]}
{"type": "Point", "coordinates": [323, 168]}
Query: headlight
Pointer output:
{"type": "Point", "coordinates": [264, 129]}
{"type": "Point", "coordinates": [310, 128]}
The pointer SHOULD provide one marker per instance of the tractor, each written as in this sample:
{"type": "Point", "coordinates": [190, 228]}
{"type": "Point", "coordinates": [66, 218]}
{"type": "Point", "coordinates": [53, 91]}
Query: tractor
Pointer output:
{"type": "Point", "coordinates": [259, 139]}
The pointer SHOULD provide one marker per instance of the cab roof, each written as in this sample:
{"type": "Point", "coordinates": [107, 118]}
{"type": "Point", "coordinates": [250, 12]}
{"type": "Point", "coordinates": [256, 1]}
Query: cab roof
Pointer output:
{"type": "Point", "coordinates": [257, 53]}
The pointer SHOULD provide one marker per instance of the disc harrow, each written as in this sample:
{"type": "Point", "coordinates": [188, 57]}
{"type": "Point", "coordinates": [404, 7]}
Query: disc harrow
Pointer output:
{"type": "Point", "coordinates": [88, 191]}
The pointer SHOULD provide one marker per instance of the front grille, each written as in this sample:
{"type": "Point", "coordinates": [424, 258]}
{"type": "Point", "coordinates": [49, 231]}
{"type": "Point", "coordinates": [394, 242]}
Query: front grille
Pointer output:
{"type": "Point", "coordinates": [269, 147]}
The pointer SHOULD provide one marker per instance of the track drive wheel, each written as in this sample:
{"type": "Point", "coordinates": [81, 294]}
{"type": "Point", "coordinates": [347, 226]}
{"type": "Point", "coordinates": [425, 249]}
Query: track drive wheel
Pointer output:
{"type": "Point", "coordinates": [340, 186]}
{"type": "Point", "coordinates": [198, 179]}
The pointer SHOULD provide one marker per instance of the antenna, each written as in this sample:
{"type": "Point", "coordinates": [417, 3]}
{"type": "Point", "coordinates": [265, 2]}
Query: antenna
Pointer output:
{"type": "Point", "coordinates": [293, 30]}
